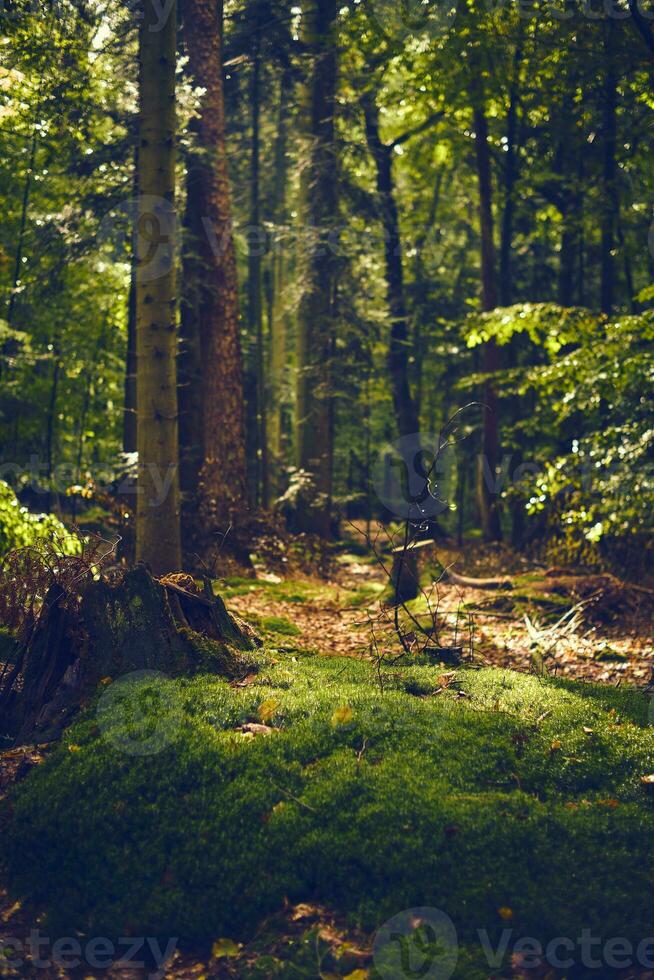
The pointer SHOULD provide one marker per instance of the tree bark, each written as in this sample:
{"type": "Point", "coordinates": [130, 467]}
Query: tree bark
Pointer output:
{"type": "Point", "coordinates": [255, 280]}
{"type": "Point", "coordinates": [277, 306]}
{"type": "Point", "coordinates": [609, 205]}
{"type": "Point", "coordinates": [129, 409]}
{"type": "Point", "coordinates": [316, 323]}
{"type": "Point", "coordinates": [190, 366]}
{"type": "Point", "coordinates": [510, 177]}
{"type": "Point", "coordinates": [158, 541]}
{"type": "Point", "coordinates": [398, 355]}
{"type": "Point", "coordinates": [489, 460]}
{"type": "Point", "coordinates": [222, 486]}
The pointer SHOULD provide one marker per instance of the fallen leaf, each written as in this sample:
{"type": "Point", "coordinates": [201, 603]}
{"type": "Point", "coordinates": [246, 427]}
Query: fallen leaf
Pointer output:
{"type": "Point", "coordinates": [358, 975]}
{"type": "Point", "coordinates": [342, 715]}
{"type": "Point", "coordinates": [505, 913]}
{"type": "Point", "coordinates": [589, 731]}
{"type": "Point", "coordinates": [268, 709]}
{"type": "Point", "coordinates": [225, 947]}
{"type": "Point", "coordinates": [648, 781]}
{"type": "Point", "coordinates": [556, 745]}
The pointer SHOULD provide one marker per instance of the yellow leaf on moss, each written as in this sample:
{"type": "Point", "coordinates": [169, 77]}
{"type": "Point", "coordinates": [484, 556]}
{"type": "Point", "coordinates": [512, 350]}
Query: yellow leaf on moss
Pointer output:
{"type": "Point", "coordinates": [358, 975]}
{"type": "Point", "coordinates": [267, 709]}
{"type": "Point", "coordinates": [342, 715]}
{"type": "Point", "coordinates": [505, 913]}
{"type": "Point", "coordinates": [225, 947]}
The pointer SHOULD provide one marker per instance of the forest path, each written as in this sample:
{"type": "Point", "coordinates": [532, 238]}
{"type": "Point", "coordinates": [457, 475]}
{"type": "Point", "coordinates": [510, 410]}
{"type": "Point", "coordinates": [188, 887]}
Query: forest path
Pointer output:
{"type": "Point", "coordinates": [611, 640]}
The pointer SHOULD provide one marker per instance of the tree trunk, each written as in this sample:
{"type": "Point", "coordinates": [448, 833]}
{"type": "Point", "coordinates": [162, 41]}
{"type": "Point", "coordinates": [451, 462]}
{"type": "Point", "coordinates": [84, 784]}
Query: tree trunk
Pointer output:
{"type": "Point", "coordinates": [190, 366]}
{"type": "Point", "coordinates": [18, 258]}
{"type": "Point", "coordinates": [609, 204]}
{"type": "Point", "coordinates": [255, 281]}
{"type": "Point", "coordinates": [316, 323]}
{"type": "Point", "coordinates": [277, 306]}
{"type": "Point", "coordinates": [222, 489]}
{"type": "Point", "coordinates": [129, 409]}
{"type": "Point", "coordinates": [157, 522]}
{"type": "Point", "coordinates": [404, 576]}
{"type": "Point", "coordinates": [110, 632]}
{"type": "Point", "coordinates": [489, 460]}
{"type": "Point", "coordinates": [398, 354]}
{"type": "Point", "coordinates": [510, 177]}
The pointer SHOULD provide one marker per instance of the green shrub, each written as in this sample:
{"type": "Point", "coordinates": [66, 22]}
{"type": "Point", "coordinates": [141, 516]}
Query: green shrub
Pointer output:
{"type": "Point", "coordinates": [21, 529]}
{"type": "Point", "coordinates": [522, 793]}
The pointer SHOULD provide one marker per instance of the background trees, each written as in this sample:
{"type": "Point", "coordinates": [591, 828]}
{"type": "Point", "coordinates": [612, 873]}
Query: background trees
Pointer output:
{"type": "Point", "coordinates": [384, 177]}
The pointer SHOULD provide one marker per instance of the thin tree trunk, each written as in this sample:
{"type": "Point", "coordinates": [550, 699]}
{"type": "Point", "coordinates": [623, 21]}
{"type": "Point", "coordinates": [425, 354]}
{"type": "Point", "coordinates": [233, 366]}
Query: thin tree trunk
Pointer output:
{"type": "Point", "coordinates": [626, 260]}
{"type": "Point", "coordinates": [158, 541]}
{"type": "Point", "coordinates": [489, 460]}
{"type": "Point", "coordinates": [129, 411]}
{"type": "Point", "coordinates": [510, 177]}
{"type": "Point", "coordinates": [222, 489]}
{"type": "Point", "coordinates": [398, 355]}
{"type": "Point", "coordinates": [316, 322]}
{"type": "Point", "coordinates": [255, 282]}
{"type": "Point", "coordinates": [278, 314]}
{"type": "Point", "coordinates": [609, 205]}
{"type": "Point", "coordinates": [52, 408]}
{"type": "Point", "coordinates": [18, 258]}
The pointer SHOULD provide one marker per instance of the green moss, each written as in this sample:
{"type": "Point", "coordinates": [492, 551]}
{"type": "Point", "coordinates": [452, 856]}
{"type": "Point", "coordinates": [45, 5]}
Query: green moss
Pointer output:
{"type": "Point", "coordinates": [508, 792]}
{"type": "Point", "coordinates": [279, 624]}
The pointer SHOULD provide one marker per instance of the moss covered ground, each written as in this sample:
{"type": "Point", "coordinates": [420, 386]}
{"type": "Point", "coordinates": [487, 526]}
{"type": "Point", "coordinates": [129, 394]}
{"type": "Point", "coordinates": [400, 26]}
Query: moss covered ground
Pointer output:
{"type": "Point", "coordinates": [494, 796]}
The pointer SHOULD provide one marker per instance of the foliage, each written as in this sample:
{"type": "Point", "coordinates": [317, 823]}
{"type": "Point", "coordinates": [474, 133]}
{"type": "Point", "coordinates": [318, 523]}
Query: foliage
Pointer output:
{"type": "Point", "coordinates": [589, 431]}
{"type": "Point", "coordinates": [371, 801]}
{"type": "Point", "coordinates": [21, 529]}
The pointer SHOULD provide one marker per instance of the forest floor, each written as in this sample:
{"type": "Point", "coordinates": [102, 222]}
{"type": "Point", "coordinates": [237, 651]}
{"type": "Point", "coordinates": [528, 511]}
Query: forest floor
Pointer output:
{"type": "Point", "coordinates": [610, 639]}
{"type": "Point", "coordinates": [610, 642]}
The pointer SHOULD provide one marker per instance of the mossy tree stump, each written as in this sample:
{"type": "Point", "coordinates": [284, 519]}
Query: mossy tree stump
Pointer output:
{"type": "Point", "coordinates": [142, 623]}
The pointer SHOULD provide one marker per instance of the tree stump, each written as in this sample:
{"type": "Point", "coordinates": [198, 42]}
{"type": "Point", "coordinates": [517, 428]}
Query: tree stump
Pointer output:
{"type": "Point", "coordinates": [142, 623]}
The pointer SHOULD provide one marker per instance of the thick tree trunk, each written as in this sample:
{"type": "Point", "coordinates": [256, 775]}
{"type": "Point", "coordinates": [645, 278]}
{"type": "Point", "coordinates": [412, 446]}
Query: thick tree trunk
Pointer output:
{"type": "Point", "coordinates": [109, 631]}
{"type": "Point", "coordinates": [316, 323]}
{"type": "Point", "coordinates": [490, 456]}
{"type": "Point", "coordinates": [222, 489]}
{"type": "Point", "coordinates": [157, 523]}
{"type": "Point", "coordinates": [190, 366]}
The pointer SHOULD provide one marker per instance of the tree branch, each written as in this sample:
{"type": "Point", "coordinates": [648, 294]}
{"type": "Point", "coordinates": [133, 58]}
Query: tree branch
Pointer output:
{"type": "Point", "coordinates": [410, 133]}
{"type": "Point", "coordinates": [642, 26]}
